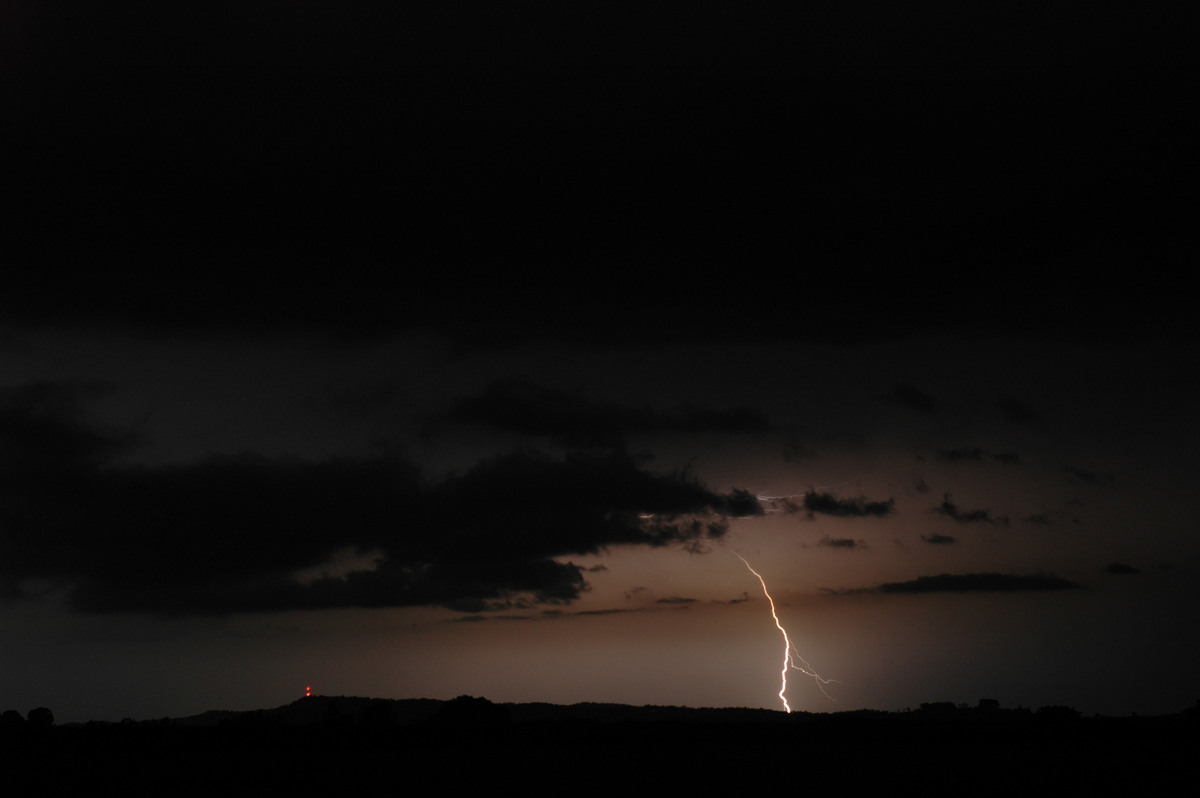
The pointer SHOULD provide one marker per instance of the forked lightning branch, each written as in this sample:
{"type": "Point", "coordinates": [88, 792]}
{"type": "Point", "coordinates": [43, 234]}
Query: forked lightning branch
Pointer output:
{"type": "Point", "coordinates": [791, 659]}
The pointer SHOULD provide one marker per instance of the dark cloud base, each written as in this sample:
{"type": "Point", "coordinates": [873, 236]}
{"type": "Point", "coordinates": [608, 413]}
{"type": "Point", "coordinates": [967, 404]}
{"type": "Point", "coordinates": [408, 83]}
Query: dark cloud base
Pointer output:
{"type": "Point", "coordinates": [229, 533]}
{"type": "Point", "coordinates": [1121, 569]}
{"type": "Point", "coordinates": [949, 509]}
{"type": "Point", "coordinates": [841, 543]}
{"type": "Point", "coordinates": [518, 404]}
{"type": "Point", "coordinates": [976, 454]}
{"type": "Point", "coordinates": [981, 582]}
{"type": "Point", "coordinates": [816, 503]}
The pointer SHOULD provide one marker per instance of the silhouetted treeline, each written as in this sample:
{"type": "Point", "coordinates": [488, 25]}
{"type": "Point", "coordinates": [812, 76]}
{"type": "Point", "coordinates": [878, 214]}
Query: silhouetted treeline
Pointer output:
{"type": "Point", "coordinates": [415, 719]}
{"type": "Point", "coordinates": [11, 721]}
{"type": "Point", "coordinates": [469, 742]}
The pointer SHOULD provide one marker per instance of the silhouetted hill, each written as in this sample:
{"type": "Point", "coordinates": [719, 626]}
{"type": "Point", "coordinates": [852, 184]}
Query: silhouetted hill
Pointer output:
{"type": "Point", "coordinates": [357, 712]}
{"type": "Point", "coordinates": [356, 743]}
{"type": "Point", "coordinates": [356, 720]}
{"type": "Point", "coordinates": [315, 710]}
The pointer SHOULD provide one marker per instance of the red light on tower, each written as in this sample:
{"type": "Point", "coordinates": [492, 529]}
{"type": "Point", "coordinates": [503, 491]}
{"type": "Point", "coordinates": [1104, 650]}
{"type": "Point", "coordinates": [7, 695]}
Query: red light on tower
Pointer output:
{"type": "Point", "coordinates": [308, 692]}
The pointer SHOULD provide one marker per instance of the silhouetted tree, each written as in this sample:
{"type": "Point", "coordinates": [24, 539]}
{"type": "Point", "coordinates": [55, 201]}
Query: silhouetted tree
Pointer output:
{"type": "Point", "coordinates": [376, 715]}
{"type": "Point", "coordinates": [1057, 714]}
{"type": "Point", "coordinates": [40, 718]}
{"type": "Point", "coordinates": [333, 718]}
{"type": "Point", "coordinates": [471, 711]}
{"type": "Point", "coordinates": [938, 708]}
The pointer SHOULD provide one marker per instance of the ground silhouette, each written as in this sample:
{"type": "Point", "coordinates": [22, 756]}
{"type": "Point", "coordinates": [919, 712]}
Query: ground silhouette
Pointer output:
{"type": "Point", "coordinates": [348, 742]}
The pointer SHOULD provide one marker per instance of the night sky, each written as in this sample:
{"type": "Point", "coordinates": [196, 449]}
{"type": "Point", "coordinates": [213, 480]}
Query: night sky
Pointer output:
{"type": "Point", "coordinates": [437, 348]}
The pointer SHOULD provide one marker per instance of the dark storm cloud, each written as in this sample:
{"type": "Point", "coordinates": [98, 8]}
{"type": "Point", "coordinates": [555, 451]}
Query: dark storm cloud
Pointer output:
{"type": "Point", "coordinates": [676, 600]}
{"type": "Point", "coordinates": [841, 543]}
{"type": "Point", "coordinates": [478, 618]}
{"type": "Point", "coordinates": [226, 534]}
{"type": "Point", "coordinates": [1089, 477]}
{"type": "Point", "coordinates": [913, 398]}
{"type": "Point", "coordinates": [1016, 412]}
{"type": "Point", "coordinates": [980, 516]}
{"type": "Point", "coordinates": [938, 540]}
{"type": "Point", "coordinates": [359, 400]}
{"type": "Point", "coordinates": [1045, 518]}
{"type": "Point", "coordinates": [740, 503]}
{"type": "Point", "coordinates": [43, 425]}
{"type": "Point", "coordinates": [984, 582]}
{"type": "Point", "coordinates": [825, 503]}
{"type": "Point", "coordinates": [518, 404]}
{"type": "Point", "coordinates": [977, 453]}
{"type": "Point", "coordinates": [1121, 569]}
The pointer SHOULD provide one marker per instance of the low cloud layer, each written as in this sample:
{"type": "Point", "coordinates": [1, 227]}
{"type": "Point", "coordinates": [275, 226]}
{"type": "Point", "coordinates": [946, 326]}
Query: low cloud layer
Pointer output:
{"type": "Point", "coordinates": [815, 503]}
{"type": "Point", "coordinates": [914, 398]}
{"type": "Point", "coordinates": [1015, 411]}
{"type": "Point", "coordinates": [841, 543]}
{"type": "Point", "coordinates": [1121, 569]}
{"type": "Point", "coordinates": [982, 582]}
{"type": "Point", "coordinates": [827, 504]}
{"type": "Point", "coordinates": [969, 454]}
{"type": "Point", "coordinates": [518, 404]}
{"type": "Point", "coordinates": [1089, 477]}
{"type": "Point", "coordinates": [952, 511]}
{"type": "Point", "coordinates": [231, 533]}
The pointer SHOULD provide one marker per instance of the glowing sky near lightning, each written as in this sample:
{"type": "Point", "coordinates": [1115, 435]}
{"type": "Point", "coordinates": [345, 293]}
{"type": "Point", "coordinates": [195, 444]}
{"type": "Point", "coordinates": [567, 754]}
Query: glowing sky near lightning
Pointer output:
{"type": "Point", "coordinates": [791, 659]}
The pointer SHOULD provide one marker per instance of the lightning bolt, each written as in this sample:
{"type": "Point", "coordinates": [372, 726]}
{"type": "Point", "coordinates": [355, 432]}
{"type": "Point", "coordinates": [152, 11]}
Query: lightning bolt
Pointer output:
{"type": "Point", "coordinates": [791, 659]}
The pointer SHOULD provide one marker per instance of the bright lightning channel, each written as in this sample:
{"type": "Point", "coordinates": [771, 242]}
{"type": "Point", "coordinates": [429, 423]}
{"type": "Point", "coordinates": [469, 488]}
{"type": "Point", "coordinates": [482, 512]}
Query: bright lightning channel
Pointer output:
{"type": "Point", "coordinates": [791, 659]}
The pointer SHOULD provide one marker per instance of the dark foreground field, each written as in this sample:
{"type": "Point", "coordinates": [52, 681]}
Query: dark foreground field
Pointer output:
{"type": "Point", "coordinates": [365, 746]}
